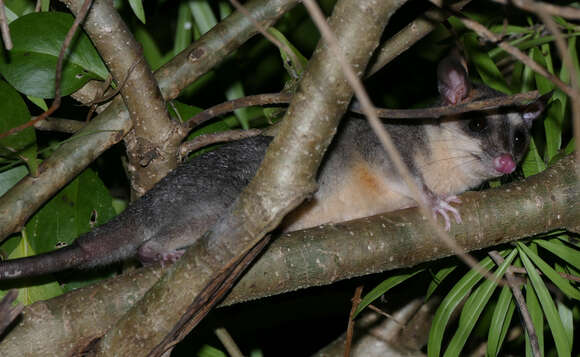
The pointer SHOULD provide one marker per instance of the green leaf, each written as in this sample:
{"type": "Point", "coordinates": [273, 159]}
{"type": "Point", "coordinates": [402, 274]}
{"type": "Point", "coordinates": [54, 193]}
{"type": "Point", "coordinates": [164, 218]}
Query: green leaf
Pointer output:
{"type": "Point", "coordinates": [295, 70]}
{"type": "Point", "coordinates": [203, 15]}
{"type": "Point", "coordinates": [44, 5]}
{"type": "Point", "coordinates": [33, 293]}
{"type": "Point", "coordinates": [82, 204]}
{"type": "Point", "coordinates": [474, 307]}
{"type": "Point", "coordinates": [225, 9]}
{"type": "Point", "coordinates": [532, 163]}
{"type": "Point", "coordinates": [137, 7]}
{"type": "Point", "coordinates": [10, 177]}
{"type": "Point", "coordinates": [547, 270]}
{"type": "Point", "coordinates": [20, 7]}
{"type": "Point", "coordinates": [570, 147]}
{"type": "Point", "coordinates": [39, 102]}
{"type": "Point", "coordinates": [528, 77]}
{"type": "Point", "coordinates": [183, 31]}
{"type": "Point", "coordinates": [209, 351]}
{"type": "Point", "coordinates": [10, 15]}
{"type": "Point", "coordinates": [437, 279]}
{"type": "Point", "coordinates": [553, 128]}
{"type": "Point", "coordinates": [484, 65]}
{"type": "Point", "coordinates": [448, 305]}
{"type": "Point", "coordinates": [511, 29]}
{"type": "Point", "coordinates": [567, 318]}
{"type": "Point", "coordinates": [235, 91]}
{"type": "Point", "coordinates": [12, 114]}
{"type": "Point", "coordinates": [30, 66]}
{"type": "Point", "coordinates": [184, 111]}
{"type": "Point", "coordinates": [556, 328]}
{"type": "Point", "coordinates": [573, 51]}
{"type": "Point", "coordinates": [567, 253]}
{"type": "Point", "coordinates": [383, 287]}
{"type": "Point", "coordinates": [542, 83]}
{"type": "Point", "coordinates": [500, 321]}
{"type": "Point", "coordinates": [537, 316]}
{"type": "Point", "coordinates": [151, 52]}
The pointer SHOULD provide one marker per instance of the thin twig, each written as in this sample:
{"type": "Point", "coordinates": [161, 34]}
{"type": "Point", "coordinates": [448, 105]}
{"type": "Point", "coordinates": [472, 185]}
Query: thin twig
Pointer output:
{"type": "Point", "coordinates": [58, 74]}
{"type": "Point", "coordinates": [4, 28]}
{"type": "Point", "coordinates": [431, 112]}
{"type": "Point", "coordinates": [281, 46]}
{"type": "Point", "coordinates": [381, 312]}
{"type": "Point", "coordinates": [60, 125]}
{"type": "Point", "coordinates": [538, 7]}
{"type": "Point", "coordinates": [105, 96]}
{"type": "Point", "coordinates": [229, 106]}
{"type": "Point", "coordinates": [409, 35]}
{"type": "Point", "coordinates": [207, 139]}
{"type": "Point", "coordinates": [350, 328]}
{"type": "Point", "coordinates": [517, 53]}
{"type": "Point", "coordinates": [446, 110]}
{"type": "Point", "coordinates": [521, 302]}
{"type": "Point", "coordinates": [9, 312]}
{"type": "Point", "coordinates": [228, 342]}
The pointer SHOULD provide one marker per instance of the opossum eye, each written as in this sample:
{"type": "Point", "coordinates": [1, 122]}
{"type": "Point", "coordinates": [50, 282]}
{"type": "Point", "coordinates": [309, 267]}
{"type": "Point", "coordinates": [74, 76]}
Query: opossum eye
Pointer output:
{"type": "Point", "coordinates": [519, 141]}
{"type": "Point", "coordinates": [478, 125]}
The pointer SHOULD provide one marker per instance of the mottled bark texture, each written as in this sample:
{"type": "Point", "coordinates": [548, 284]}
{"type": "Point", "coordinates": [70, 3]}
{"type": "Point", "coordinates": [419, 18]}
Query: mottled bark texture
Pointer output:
{"type": "Point", "coordinates": [410, 34]}
{"type": "Point", "coordinates": [151, 147]}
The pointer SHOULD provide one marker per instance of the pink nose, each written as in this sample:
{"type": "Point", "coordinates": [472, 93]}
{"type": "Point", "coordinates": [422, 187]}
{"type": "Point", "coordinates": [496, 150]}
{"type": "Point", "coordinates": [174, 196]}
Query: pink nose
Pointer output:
{"type": "Point", "coordinates": [504, 164]}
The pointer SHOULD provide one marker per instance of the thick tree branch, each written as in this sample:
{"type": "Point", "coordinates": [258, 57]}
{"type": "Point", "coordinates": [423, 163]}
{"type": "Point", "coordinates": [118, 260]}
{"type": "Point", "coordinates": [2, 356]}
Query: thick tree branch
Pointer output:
{"type": "Point", "coordinates": [320, 256]}
{"type": "Point", "coordinates": [410, 34]}
{"type": "Point", "coordinates": [152, 147]}
{"type": "Point", "coordinates": [60, 125]}
{"type": "Point", "coordinates": [107, 129]}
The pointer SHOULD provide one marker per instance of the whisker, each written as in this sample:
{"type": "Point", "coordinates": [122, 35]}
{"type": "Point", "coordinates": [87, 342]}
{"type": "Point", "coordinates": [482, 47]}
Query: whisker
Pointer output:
{"type": "Point", "coordinates": [468, 158]}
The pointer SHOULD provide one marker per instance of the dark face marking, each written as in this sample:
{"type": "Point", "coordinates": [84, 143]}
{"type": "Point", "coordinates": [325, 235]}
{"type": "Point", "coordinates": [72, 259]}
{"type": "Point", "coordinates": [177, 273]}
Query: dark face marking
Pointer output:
{"type": "Point", "coordinates": [519, 141]}
{"type": "Point", "coordinates": [497, 133]}
{"type": "Point", "coordinates": [478, 125]}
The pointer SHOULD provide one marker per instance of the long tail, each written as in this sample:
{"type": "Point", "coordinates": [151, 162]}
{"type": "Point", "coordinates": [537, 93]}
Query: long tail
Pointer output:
{"type": "Point", "coordinates": [64, 258]}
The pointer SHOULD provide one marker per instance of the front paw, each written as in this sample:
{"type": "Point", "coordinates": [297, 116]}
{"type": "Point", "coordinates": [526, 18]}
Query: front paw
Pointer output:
{"type": "Point", "coordinates": [443, 207]}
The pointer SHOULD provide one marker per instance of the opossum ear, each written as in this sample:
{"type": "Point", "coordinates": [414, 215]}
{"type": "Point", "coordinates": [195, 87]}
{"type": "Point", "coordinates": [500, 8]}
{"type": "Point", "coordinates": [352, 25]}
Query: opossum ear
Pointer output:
{"type": "Point", "coordinates": [535, 109]}
{"type": "Point", "coordinates": [452, 78]}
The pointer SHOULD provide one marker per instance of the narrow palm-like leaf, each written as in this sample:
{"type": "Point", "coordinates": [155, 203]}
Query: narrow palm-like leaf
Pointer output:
{"type": "Point", "coordinates": [448, 305]}
{"type": "Point", "coordinates": [437, 279]}
{"type": "Point", "coordinates": [500, 321]}
{"type": "Point", "coordinates": [383, 287]}
{"type": "Point", "coordinates": [547, 270]}
{"type": "Point", "coordinates": [473, 308]}
{"type": "Point", "coordinates": [557, 329]}
{"type": "Point", "coordinates": [562, 251]}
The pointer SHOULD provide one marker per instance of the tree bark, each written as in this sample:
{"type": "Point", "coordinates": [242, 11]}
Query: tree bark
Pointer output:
{"type": "Point", "coordinates": [319, 256]}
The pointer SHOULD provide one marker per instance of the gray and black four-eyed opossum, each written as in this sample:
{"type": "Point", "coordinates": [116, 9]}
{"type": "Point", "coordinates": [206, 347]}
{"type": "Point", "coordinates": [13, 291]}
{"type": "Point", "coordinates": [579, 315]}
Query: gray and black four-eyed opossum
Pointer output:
{"type": "Point", "coordinates": [357, 179]}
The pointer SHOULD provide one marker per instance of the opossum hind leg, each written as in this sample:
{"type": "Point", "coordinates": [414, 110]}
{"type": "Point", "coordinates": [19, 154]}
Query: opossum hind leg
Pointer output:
{"type": "Point", "coordinates": [152, 252]}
